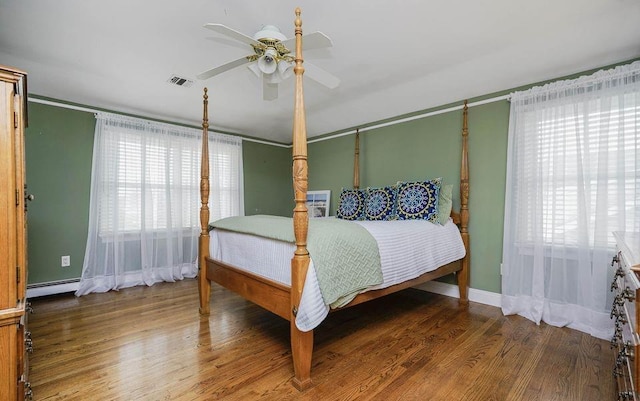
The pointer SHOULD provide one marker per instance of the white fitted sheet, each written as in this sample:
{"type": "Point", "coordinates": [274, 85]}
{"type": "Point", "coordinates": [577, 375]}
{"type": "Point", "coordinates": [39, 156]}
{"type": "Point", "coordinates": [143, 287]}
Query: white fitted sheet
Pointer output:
{"type": "Point", "coordinates": [408, 249]}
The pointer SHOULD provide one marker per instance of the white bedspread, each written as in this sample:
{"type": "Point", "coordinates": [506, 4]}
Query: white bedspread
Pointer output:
{"type": "Point", "coordinates": [408, 248]}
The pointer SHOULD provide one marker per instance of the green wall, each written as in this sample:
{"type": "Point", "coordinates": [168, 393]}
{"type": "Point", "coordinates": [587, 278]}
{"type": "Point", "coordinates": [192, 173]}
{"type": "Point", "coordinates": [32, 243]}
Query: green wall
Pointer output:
{"type": "Point", "coordinates": [427, 148]}
{"type": "Point", "coordinates": [267, 179]}
{"type": "Point", "coordinates": [59, 148]}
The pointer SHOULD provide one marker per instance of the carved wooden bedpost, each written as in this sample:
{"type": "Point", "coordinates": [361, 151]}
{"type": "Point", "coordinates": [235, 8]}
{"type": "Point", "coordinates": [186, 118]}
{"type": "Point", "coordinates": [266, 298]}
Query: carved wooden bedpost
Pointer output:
{"type": "Point", "coordinates": [204, 285]}
{"type": "Point", "coordinates": [463, 275]}
{"type": "Point", "coordinates": [356, 162]}
{"type": "Point", "coordinates": [301, 342]}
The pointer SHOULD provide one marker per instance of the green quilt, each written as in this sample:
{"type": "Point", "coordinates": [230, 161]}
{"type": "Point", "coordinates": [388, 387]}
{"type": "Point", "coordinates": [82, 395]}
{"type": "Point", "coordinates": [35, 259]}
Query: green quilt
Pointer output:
{"type": "Point", "coordinates": [344, 254]}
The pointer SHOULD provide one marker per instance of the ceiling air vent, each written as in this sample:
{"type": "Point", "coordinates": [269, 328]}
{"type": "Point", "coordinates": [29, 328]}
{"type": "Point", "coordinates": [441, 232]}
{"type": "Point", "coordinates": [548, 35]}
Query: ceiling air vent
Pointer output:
{"type": "Point", "coordinates": [176, 80]}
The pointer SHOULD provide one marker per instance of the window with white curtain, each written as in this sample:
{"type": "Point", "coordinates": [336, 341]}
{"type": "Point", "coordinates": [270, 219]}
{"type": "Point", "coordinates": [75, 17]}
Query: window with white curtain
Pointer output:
{"type": "Point", "coordinates": [573, 178]}
{"type": "Point", "coordinates": [583, 159]}
{"type": "Point", "coordinates": [145, 200]}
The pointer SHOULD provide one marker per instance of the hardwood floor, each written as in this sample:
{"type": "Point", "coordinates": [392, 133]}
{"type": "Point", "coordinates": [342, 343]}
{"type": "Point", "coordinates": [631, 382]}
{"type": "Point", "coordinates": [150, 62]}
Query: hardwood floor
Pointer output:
{"type": "Point", "coordinates": [149, 343]}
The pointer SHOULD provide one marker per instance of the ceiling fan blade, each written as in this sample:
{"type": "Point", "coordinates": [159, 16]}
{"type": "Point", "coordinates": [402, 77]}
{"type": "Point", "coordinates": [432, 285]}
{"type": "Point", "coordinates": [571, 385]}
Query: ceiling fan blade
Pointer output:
{"type": "Point", "coordinates": [232, 33]}
{"type": "Point", "coordinates": [315, 40]}
{"type": "Point", "coordinates": [321, 76]}
{"type": "Point", "coordinates": [269, 91]}
{"type": "Point", "coordinates": [220, 69]}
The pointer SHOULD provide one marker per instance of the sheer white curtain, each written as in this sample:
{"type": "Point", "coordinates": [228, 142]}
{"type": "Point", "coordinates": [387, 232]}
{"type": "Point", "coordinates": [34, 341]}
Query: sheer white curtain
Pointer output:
{"type": "Point", "coordinates": [144, 212]}
{"type": "Point", "coordinates": [573, 177]}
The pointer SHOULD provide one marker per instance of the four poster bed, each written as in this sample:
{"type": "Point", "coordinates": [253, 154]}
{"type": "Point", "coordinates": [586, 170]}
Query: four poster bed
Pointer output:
{"type": "Point", "coordinates": [284, 297]}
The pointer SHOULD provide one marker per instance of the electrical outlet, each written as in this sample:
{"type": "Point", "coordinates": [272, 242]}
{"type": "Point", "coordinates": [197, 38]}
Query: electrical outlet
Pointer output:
{"type": "Point", "coordinates": [65, 261]}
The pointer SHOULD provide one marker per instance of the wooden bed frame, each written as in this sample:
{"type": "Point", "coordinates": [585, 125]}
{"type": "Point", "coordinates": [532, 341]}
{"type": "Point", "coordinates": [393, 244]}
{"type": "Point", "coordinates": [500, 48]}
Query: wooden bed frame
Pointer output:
{"type": "Point", "coordinates": [284, 300]}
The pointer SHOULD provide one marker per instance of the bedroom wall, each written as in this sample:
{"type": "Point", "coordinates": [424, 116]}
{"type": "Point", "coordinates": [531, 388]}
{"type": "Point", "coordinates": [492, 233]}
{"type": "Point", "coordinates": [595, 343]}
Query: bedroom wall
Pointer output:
{"type": "Point", "coordinates": [267, 181]}
{"type": "Point", "coordinates": [59, 148]}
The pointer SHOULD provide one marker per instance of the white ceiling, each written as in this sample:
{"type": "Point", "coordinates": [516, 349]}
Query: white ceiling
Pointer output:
{"type": "Point", "coordinates": [392, 57]}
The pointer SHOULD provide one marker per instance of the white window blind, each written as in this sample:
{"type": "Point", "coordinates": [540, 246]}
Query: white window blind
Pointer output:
{"type": "Point", "coordinates": [576, 158]}
{"type": "Point", "coordinates": [156, 180]}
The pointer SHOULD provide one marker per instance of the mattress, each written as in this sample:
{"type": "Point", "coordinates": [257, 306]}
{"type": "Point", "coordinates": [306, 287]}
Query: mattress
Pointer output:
{"type": "Point", "coordinates": [408, 249]}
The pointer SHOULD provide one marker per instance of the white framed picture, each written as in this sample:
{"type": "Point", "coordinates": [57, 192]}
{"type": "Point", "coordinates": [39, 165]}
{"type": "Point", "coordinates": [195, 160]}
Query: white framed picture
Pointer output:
{"type": "Point", "coordinates": [318, 203]}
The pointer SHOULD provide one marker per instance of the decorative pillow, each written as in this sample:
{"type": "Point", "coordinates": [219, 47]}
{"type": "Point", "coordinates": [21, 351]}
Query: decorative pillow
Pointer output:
{"type": "Point", "coordinates": [419, 200]}
{"type": "Point", "coordinates": [351, 204]}
{"type": "Point", "coordinates": [380, 203]}
{"type": "Point", "coordinates": [445, 199]}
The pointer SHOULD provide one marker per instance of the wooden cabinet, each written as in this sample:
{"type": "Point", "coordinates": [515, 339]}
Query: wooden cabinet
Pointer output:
{"type": "Point", "coordinates": [14, 336]}
{"type": "Point", "coordinates": [625, 310]}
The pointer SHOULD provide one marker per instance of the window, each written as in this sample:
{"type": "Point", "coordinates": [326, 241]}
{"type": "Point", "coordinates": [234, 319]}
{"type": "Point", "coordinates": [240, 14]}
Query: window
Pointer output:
{"type": "Point", "coordinates": [144, 216]}
{"type": "Point", "coordinates": [583, 156]}
{"type": "Point", "coordinates": [573, 178]}
{"type": "Point", "coordinates": [153, 177]}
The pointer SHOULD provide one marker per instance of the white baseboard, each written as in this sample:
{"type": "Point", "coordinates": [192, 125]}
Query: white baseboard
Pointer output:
{"type": "Point", "coordinates": [451, 290]}
{"type": "Point", "coordinates": [52, 288]}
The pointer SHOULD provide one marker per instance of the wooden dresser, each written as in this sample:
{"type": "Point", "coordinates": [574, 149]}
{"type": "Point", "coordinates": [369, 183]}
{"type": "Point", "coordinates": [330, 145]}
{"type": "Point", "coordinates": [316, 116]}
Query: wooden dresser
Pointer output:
{"type": "Point", "coordinates": [15, 340]}
{"type": "Point", "coordinates": [625, 311]}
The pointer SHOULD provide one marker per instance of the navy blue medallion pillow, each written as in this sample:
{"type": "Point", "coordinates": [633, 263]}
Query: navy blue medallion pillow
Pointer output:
{"type": "Point", "coordinates": [380, 203]}
{"type": "Point", "coordinates": [419, 200]}
{"type": "Point", "coordinates": [351, 204]}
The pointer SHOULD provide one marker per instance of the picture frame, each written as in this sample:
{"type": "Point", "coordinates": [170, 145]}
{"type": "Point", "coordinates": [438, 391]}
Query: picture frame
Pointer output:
{"type": "Point", "coordinates": [318, 203]}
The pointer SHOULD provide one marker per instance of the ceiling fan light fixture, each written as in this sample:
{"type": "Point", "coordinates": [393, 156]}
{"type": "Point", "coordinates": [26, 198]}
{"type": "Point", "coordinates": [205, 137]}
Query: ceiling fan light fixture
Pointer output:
{"type": "Point", "coordinates": [268, 63]}
{"type": "Point", "coordinates": [285, 69]}
{"type": "Point", "coordinates": [269, 32]}
{"type": "Point", "coordinates": [271, 78]}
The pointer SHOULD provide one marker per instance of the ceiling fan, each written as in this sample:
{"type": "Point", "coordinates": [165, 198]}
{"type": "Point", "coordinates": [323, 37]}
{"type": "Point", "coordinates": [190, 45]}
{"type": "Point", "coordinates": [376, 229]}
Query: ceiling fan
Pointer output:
{"type": "Point", "coordinates": [271, 59]}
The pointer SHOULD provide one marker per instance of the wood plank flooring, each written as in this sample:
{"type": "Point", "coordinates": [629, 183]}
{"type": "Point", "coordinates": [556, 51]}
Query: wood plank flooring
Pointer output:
{"type": "Point", "coordinates": [149, 343]}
